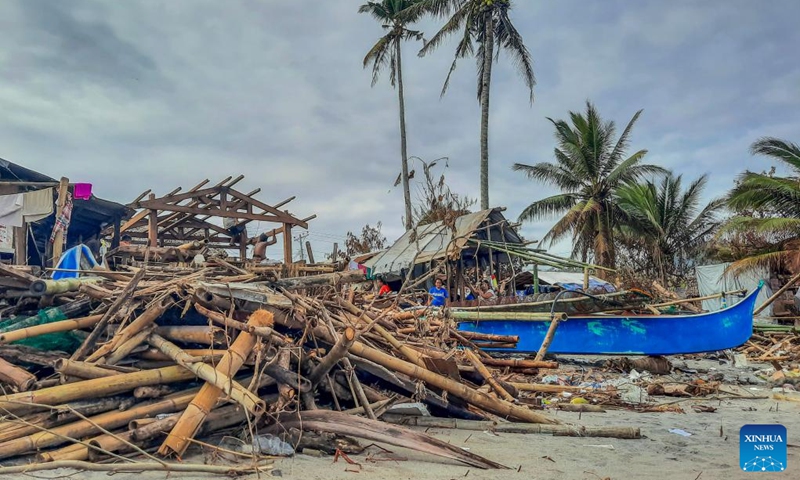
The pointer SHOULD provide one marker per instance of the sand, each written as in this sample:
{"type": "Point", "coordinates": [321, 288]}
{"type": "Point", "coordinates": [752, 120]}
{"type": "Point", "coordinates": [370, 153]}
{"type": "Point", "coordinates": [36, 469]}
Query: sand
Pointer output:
{"type": "Point", "coordinates": [711, 452]}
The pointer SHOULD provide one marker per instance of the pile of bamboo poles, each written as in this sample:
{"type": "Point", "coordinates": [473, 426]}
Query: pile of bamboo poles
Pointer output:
{"type": "Point", "coordinates": [167, 355]}
{"type": "Point", "coordinates": [773, 344]}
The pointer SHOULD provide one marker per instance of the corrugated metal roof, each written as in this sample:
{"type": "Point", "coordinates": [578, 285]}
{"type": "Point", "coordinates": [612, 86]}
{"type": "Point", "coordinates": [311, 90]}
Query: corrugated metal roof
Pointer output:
{"type": "Point", "coordinates": [435, 240]}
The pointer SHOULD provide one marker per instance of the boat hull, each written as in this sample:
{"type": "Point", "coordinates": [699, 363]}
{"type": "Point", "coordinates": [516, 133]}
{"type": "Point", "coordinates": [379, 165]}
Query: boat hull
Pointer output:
{"type": "Point", "coordinates": [630, 335]}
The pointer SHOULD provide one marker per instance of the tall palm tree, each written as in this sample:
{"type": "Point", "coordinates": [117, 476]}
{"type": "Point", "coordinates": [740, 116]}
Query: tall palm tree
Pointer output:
{"type": "Point", "coordinates": [768, 205]}
{"type": "Point", "coordinates": [665, 223]}
{"type": "Point", "coordinates": [394, 16]}
{"type": "Point", "coordinates": [588, 168]}
{"type": "Point", "coordinates": [487, 24]}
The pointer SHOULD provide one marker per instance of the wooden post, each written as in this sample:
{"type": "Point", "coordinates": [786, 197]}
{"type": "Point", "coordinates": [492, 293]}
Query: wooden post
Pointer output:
{"type": "Point", "coordinates": [243, 246]}
{"type": "Point", "coordinates": [335, 252]}
{"type": "Point", "coordinates": [310, 253]}
{"type": "Point", "coordinates": [21, 244]}
{"type": "Point", "coordinates": [777, 294]}
{"type": "Point", "coordinates": [548, 339]}
{"type": "Point", "coordinates": [535, 278]}
{"type": "Point", "coordinates": [58, 244]}
{"type": "Point", "coordinates": [152, 224]}
{"type": "Point", "coordinates": [117, 232]}
{"type": "Point", "coordinates": [585, 278]}
{"type": "Point", "coordinates": [287, 244]}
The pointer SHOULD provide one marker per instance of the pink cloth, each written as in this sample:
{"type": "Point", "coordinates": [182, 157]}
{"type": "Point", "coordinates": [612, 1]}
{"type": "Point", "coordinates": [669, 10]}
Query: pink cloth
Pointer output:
{"type": "Point", "coordinates": [82, 191]}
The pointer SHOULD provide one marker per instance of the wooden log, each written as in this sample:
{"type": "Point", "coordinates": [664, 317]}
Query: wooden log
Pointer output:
{"type": "Point", "coordinates": [191, 420]}
{"type": "Point", "coordinates": [83, 428]}
{"type": "Point", "coordinates": [525, 428]}
{"type": "Point", "coordinates": [155, 355]}
{"type": "Point", "coordinates": [233, 389]}
{"type": "Point", "coordinates": [60, 326]}
{"type": "Point", "coordinates": [121, 300]}
{"type": "Point", "coordinates": [74, 368]}
{"type": "Point", "coordinates": [152, 391]}
{"type": "Point", "coordinates": [488, 337]}
{"type": "Point", "coordinates": [20, 379]}
{"type": "Point", "coordinates": [94, 388]}
{"type": "Point", "coordinates": [548, 339]}
{"type": "Point", "coordinates": [285, 390]}
{"type": "Point", "coordinates": [518, 363]}
{"type": "Point", "coordinates": [582, 408]}
{"type": "Point", "coordinates": [336, 353]}
{"type": "Point", "coordinates": [487, 376]}
{"type": "Point", "coordinates": [322, 280]}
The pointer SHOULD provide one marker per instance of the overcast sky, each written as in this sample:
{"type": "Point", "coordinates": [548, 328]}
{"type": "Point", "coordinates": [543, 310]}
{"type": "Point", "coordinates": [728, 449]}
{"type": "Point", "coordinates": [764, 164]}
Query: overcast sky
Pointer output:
{"type": "Point", "coordinates": [156, 94]}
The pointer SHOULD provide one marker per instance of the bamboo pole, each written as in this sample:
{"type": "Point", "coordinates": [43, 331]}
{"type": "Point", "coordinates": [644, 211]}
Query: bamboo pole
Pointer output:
{"type": "Point", "coordinates": [263, 332]}
{"type": "Point", "coordinates": [526, 428]}
{"type": "Point", "coordinates": [496, 406]}
{"type": "Point", "coordinates": [73, 368]}
{"type": "Point", "coordinates": [107, 316]}
{"type": "Point", "coordinates": [519, 363]}
{"type": "Point", "coordinates": [155, 355]}
{"type": "Point", "coordinates": [548, 339]}
{"type": "Point", "coordinates": [94, 388]}
{"type": "Point", "coordinates": [151, 313]}
{"type": "Point", "coordinates": [135, 467]}
{"type": "Point", "coordinates": [60, 326]}
{"type": "Point", "coordinates": [544, 388]}
{"type": "Point", "coordinates": [777, 294]}
{"type": "Point", "coordinates": [196, 412]}
{"type": "Point", "coordinates": [54, 287]}
{"type": "Point", "coordinates": [487, 376]}
{"type": "Point", "coordinates": [83, 428]}
{"type": "Point", "coordinates": [124, 349]}
{"type": "Point", "coordinates": [199, 334]}
{"type": "Point", "coordinates": [75, 451]}
{"type": "Point", "coordinates": [488, 337]}
{"type": "Point", "coordinates": [21, 379]}
{"type": "Point", "coordinates": [517, 316]}
{"type": "Point", "coordinates": [233, 389]}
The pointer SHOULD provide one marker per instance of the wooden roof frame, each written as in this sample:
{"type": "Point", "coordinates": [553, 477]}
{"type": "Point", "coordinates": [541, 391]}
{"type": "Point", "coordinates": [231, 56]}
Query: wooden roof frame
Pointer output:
{"type": "Point", "coordinates": [185, 215]}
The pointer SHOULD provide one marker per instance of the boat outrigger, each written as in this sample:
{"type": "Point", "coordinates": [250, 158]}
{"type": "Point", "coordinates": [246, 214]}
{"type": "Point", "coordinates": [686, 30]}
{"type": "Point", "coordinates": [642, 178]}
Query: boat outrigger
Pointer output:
{"type": "Point", "coordinates": [619, 334]}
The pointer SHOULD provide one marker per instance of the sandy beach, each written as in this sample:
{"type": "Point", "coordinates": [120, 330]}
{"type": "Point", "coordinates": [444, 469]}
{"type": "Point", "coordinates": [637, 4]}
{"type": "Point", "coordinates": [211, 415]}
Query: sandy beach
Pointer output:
{"type": "Point", "coordinates": [711, 452]}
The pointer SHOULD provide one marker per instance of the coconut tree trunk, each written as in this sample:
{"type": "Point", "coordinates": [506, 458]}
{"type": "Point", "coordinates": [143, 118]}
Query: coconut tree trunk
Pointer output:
{"type": "Point", "coordinates": [403, 147]}
{"type": "Point", "coordinates": [488, 52]}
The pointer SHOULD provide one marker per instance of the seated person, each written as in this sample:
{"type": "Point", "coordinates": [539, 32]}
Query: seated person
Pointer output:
{"type": "Point", "coordinates": [383, 288]}
{"type": "Point", "coordinates": [486, 292]}
{"type": "Point", "coordinates": [468, 295]}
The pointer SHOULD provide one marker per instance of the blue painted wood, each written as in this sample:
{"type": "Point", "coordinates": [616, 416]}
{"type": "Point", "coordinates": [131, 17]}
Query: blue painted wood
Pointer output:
{"type": "Point", "coordinates": [632, 335]}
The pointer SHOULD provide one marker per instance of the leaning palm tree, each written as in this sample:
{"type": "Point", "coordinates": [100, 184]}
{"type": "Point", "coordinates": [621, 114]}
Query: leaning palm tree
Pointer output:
{"type": "Point", "coordinates": [487, 24]}
{"type": "Point", "coordinates": [769, 206]}
{"type": "Point", "coordinates": [665, 223]}
{"type": "Point", "coordinates": [395, 17]}
{"type": "Point", "coordinates": [589, 166]}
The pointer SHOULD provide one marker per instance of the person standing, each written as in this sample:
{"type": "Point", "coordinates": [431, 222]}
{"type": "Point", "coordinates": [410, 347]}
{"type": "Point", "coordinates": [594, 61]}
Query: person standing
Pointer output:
{"type": "Point", "coordinates": [383, 288]}
{"type": "Point", "coordinates": [438, 294]}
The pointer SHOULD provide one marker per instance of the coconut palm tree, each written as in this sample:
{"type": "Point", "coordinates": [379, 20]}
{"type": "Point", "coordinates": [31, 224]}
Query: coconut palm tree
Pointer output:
{"type": "Point", "coordinates": [589, 166]}
{"type": "Point", "coordinates": [485, 23]}
{"type": "Point", "coordinates": [394, 16]}
{"type": "Point", "coordinates": [769, 206]}
{"type": "Point", "coordinates": [666, 224]}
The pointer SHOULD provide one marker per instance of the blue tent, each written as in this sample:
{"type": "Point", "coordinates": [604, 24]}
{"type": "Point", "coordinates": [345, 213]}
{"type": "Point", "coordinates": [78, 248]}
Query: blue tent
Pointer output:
{"type": "Point", "coordinates": [76, 258]}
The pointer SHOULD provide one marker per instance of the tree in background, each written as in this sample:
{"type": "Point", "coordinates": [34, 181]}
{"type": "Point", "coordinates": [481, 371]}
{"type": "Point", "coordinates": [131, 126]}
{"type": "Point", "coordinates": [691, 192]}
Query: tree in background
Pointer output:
{"type": "Point", "coordinates": [435, 201]}
{"type": "Point", "coordinates": [487, 24]}
{"type": "Point", "coordinates": [370, 240]}
{"type": "Point", "coordinates": [589, 167]}
{"type": "Point", "coordinates": [394, 17]}
{"type": "Point", "coordinates": [664, 228]}
{"type": "Point", "coordinates": [766, 222]}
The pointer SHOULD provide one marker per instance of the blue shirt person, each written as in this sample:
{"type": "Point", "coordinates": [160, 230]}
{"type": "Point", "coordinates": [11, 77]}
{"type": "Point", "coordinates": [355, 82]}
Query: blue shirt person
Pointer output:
{"type": "Point", "coordinates": [438, 294]}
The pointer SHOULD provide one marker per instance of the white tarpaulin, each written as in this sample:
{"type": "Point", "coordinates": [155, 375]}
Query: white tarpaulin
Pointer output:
{"type": "Point", "coordinates": [712, 279]}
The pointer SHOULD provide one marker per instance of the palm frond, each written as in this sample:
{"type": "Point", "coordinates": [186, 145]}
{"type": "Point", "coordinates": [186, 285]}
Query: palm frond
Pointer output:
{"type": "Point", "coordinates": [615, 157]}
{"type": "Point", "coordinates": [548, 173]}
{"type": "Point", "coordinates": [548, 206]}
{"type": "Point", "coordinates": [510, 39]}
{"type": "Point", "coordinates": [779, 149]}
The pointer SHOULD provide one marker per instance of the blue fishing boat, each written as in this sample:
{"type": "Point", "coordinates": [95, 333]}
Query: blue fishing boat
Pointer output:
{"type": "Point", "coordinates": [610, 334]}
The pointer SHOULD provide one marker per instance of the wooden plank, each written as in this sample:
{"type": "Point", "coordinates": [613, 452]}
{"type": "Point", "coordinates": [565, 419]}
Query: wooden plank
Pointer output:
{"type": "Point", "coordinates": [287, 244]}
{"type": "Point", "coordinates": [58, 244]}
{"type": "Point", "coordinates": [21, 244]}
{"type": "Point", "coordinates": [285, 217]}
{"type": "Point", "coordinates": [217, 212]}
{"type": "Point", "coordinates": [152, 230]}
